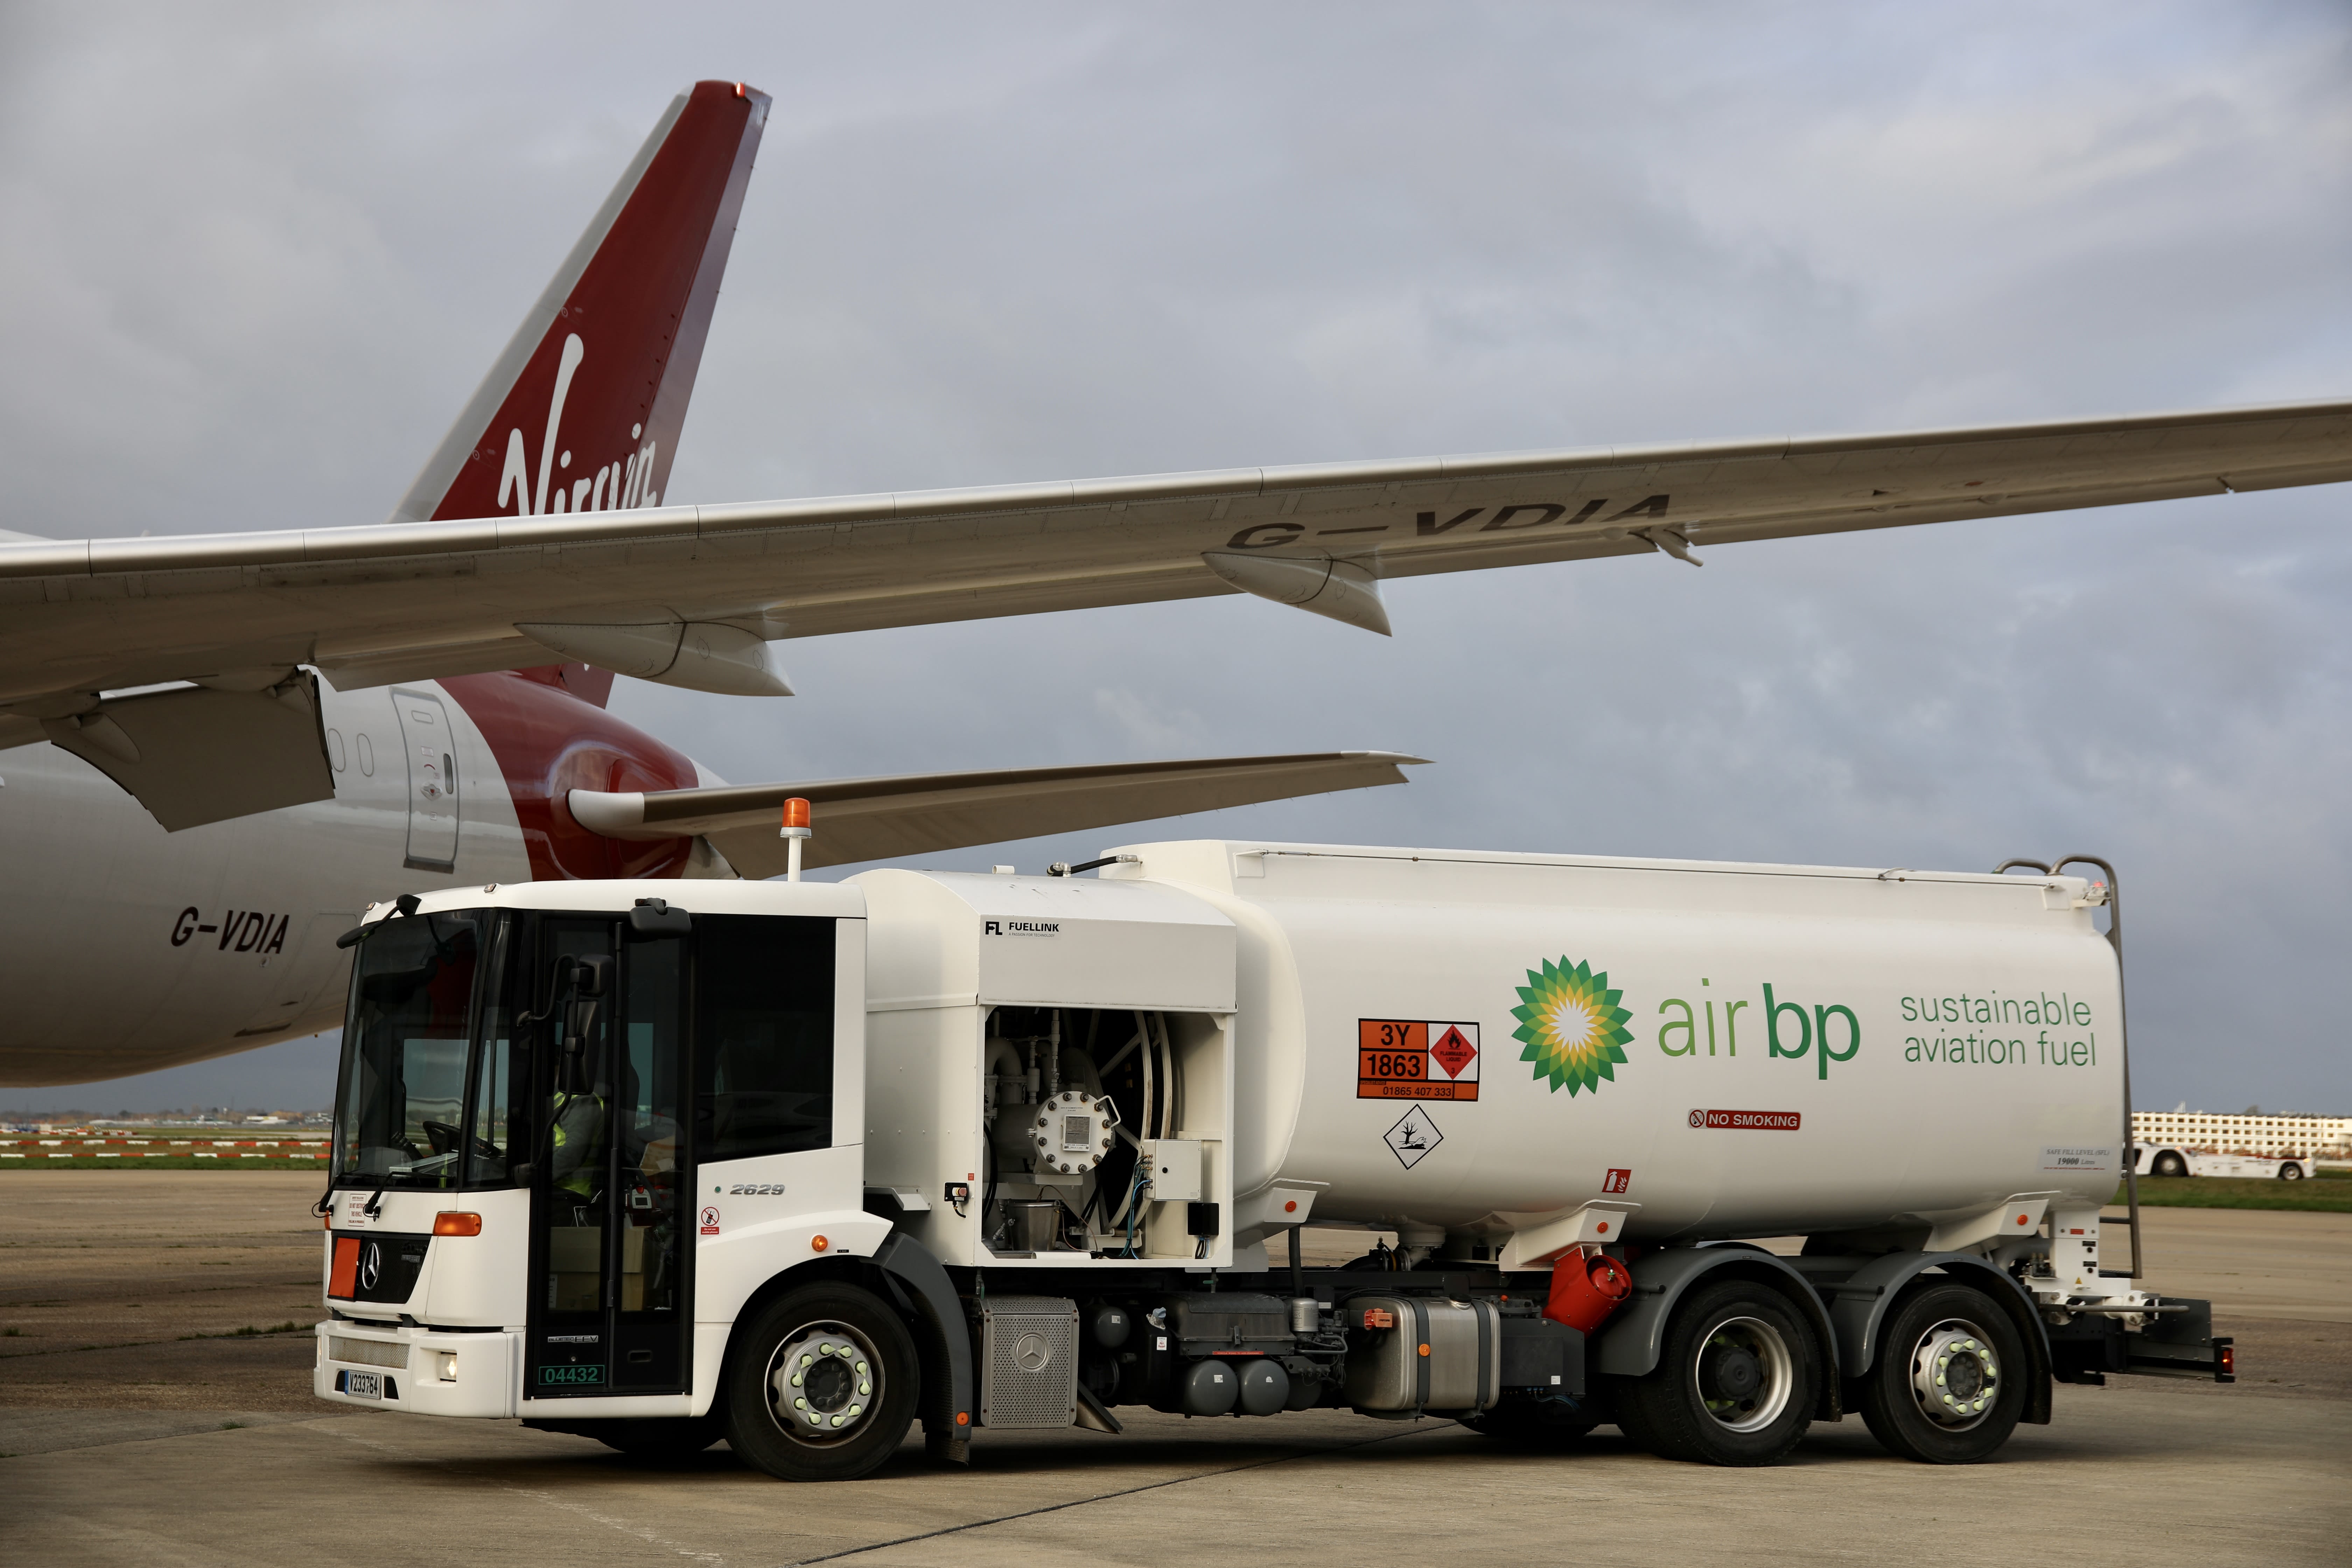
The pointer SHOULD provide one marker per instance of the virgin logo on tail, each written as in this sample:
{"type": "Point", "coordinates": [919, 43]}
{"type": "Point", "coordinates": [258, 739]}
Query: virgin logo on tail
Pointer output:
{"type": "Point", "coordinates": [615, 487]}
{"type": "Point", "coordinates": [646, 276]}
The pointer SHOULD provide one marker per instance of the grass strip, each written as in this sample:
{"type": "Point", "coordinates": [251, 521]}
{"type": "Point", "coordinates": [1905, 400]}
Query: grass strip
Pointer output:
{"type": "Point", "coordinates": [249, 1333]}
{"type": "Point", "coordinates": [2228, 1192]}
{"type": "Point", "coordinates": [168, 1162]}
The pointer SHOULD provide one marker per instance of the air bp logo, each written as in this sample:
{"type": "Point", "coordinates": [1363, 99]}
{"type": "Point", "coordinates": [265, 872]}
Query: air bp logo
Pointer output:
{"type": "Point", "coordinates": [1572, 1026]}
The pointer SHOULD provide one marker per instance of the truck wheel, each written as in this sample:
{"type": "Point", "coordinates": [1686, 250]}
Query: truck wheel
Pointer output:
{"type": "Point", "coordinates": [2169, 1164]}
{"type": "Point", "coordinates": [2290, 1172]}
{"type": "Point", "coordinates": [821, 1386]}
{"type": "Point", "coordinates": [1950, 1380]}
{"type": "Point", "coordinates": [674, 1437]}
{"type": "Point", "coordinates": [1736, 1381]}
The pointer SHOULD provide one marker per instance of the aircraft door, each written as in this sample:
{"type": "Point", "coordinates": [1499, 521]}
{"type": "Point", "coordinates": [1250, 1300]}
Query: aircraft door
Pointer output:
{"type": "Point", "coordinates": [432, 747]}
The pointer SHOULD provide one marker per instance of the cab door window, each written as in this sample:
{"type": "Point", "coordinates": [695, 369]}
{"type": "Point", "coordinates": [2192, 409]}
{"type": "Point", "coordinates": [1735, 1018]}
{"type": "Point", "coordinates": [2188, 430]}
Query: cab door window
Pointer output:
{"type": "Point", "coordinates": [578, 1100]}
{"type": "Point", "coordinates": [651, 1165]}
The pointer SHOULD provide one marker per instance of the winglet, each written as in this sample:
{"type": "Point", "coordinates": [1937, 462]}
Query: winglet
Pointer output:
{"type": "Point", "coordinates": [583, 410]}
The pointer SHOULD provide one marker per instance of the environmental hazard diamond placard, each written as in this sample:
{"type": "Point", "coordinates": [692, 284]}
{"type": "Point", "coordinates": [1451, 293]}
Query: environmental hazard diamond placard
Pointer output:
{"type": "Point", "coordinates": [1411, 1139]}
{"type": "Point", "coordinates": [1416, 1058]}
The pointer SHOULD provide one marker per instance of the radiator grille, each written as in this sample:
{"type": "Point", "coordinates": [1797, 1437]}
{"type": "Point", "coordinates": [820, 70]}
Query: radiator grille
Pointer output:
{"type": "Point", "coordinates": [367, 1353]}
{"type": "Point", "coordinates": [1029, 1362]}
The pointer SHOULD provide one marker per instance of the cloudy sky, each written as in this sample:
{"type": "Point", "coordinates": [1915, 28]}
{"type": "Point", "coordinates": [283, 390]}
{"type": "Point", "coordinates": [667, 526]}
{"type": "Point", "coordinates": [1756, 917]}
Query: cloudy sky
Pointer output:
{"type": "Point", "coordinates": [258, 255]}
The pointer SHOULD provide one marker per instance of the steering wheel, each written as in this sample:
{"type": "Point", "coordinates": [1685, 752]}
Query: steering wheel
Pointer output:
{"type": "Point", "coordinates": [446, 1138]}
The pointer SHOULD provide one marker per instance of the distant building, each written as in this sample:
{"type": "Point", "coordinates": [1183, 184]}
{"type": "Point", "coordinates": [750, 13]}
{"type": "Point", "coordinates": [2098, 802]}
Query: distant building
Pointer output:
{"type": "Point", "coordinates": [2244, 1133]}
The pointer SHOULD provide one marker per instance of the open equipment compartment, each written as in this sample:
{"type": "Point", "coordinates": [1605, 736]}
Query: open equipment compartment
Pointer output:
{"type": "Point", "coordinates": [1053, 1070]}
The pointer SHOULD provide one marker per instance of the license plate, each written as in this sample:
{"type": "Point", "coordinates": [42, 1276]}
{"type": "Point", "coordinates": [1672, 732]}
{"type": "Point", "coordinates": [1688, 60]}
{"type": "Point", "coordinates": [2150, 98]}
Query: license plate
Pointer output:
{"type": "Point", "coordinates": [364, 1384]}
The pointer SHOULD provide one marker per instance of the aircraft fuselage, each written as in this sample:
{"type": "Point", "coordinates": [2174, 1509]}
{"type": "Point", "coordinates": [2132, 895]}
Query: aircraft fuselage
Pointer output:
{"type": "Point", "coordinates": [126, 948]}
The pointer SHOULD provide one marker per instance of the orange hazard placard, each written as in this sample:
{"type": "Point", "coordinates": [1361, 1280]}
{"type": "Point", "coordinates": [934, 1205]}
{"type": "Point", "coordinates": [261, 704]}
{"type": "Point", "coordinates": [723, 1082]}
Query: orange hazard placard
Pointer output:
{"type": "Point", "coordinates": [1416, 1058]}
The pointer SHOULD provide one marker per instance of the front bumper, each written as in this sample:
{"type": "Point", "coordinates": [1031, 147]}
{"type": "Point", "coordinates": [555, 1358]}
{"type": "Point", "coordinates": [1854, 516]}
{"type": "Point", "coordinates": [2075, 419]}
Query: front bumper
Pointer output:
{"type": "Point", "coordinates": [430, 1372]}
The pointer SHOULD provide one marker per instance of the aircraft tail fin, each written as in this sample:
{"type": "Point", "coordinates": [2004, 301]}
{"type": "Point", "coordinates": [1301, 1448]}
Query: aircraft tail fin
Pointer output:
{"type": "Point", "coordinates": [583, 410]}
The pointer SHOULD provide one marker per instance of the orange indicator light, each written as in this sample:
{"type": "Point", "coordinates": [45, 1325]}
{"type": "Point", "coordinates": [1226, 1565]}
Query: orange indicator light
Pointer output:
{"type": "Point", "coordinates": [451, 1222]}
{"type": "Point", "coordinates": [818, 1243]}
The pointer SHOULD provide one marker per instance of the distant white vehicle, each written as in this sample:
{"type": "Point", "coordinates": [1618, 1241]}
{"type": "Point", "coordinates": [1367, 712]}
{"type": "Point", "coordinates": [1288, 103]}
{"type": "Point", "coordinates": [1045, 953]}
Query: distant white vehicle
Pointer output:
{"type": "Point", "coordinates": [2173, 1159]}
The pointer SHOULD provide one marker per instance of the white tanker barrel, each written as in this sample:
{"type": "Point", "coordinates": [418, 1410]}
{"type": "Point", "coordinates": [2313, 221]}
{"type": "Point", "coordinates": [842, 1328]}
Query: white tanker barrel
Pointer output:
{"type": "Point", "coordinates": [1483, 1042]}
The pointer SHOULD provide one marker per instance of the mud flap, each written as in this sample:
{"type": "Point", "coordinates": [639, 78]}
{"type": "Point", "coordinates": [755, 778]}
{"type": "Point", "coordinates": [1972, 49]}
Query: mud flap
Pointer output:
{"type": "Point", "coordinates": [945, 1349]}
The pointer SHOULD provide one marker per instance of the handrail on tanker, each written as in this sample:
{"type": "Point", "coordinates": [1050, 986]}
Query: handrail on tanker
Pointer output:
{"type": "Point", "coordinates": [2122, 1032]}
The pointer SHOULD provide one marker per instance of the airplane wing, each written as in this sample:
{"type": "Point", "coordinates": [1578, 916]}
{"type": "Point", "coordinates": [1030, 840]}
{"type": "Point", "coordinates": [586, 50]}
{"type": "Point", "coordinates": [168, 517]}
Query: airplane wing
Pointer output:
{"type": "Point", "coordinates": [693, 595]}
{"type": "Point", "coordinates": [918, 814]}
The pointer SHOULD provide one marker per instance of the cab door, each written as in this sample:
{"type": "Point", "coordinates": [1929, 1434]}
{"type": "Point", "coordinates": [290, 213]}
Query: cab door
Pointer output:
{"type": "Point", "coordinates": [611, 1305]}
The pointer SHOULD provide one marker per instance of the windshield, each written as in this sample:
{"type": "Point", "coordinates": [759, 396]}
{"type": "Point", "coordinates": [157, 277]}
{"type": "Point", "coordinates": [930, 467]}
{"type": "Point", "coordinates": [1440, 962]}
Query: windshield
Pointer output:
{"type": "Point", "coordinates": [403, 1075]}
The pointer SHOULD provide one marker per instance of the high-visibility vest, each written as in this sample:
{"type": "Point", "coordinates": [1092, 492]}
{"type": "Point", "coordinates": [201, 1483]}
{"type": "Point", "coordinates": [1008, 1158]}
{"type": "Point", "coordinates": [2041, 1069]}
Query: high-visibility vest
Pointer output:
{"type": "Point", "coordinates": [583, 1178]}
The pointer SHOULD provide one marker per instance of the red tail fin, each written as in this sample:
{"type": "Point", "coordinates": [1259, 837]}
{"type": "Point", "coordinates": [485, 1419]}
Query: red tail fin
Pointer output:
{"type": "Point", "coordinates": [583, 410]}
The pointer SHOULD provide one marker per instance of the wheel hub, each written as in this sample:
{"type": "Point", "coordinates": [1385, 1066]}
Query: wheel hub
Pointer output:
{"type": "Point", "coordinates": [1732, 1372]}
{"type": "Point", "coordinates": [823, 1383]}
{"type": "Point", "coordinates": [1955, 1374]}
{"type": "Point", "coordinates": [1745, 1373]}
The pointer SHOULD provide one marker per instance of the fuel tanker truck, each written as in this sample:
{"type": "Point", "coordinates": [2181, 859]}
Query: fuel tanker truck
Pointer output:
{"type": "Point", "coordinates": [798, 1164]}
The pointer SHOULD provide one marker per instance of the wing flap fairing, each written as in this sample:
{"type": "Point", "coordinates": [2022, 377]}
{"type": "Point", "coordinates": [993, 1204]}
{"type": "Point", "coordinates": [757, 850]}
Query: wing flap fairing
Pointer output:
{"type": "Point", "coordinates": [198, 755]}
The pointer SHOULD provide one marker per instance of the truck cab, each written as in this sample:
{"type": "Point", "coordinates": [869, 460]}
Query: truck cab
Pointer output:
{"type": "Point", "coordinates": [571, 1131]}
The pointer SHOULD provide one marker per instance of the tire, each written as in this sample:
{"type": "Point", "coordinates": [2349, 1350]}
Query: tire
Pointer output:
{"type": "Point", "coordinates": [2290, 1172]}
{"type": "Point", "coordinates": [858, 1384]}
{"type": "Point", "coordinates": [1736, 1383]}
{"type": "Point", "coordinates": [1927, 1398]}
{"type": "Point", "coordinates": [678, 1437]}
{"type": "Point", "coordinates": [2168, 1164]}
{"type": "Point", "coordinates": [1534, 1425]}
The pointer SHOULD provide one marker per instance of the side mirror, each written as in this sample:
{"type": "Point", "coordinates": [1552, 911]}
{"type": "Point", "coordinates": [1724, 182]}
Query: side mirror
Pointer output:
{"type": "Point", "coordinates": [593, 975]}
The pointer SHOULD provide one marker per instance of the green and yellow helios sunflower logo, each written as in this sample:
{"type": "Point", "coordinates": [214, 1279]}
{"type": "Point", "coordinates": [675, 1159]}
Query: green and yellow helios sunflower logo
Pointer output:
{"type": "Point", "coordinates": [1574, 1031]}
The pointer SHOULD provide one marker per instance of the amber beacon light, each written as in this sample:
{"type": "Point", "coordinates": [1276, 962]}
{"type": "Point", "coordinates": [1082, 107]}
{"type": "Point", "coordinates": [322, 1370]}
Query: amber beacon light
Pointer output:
{"type": "Point", "coordinates": [796, 832]}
